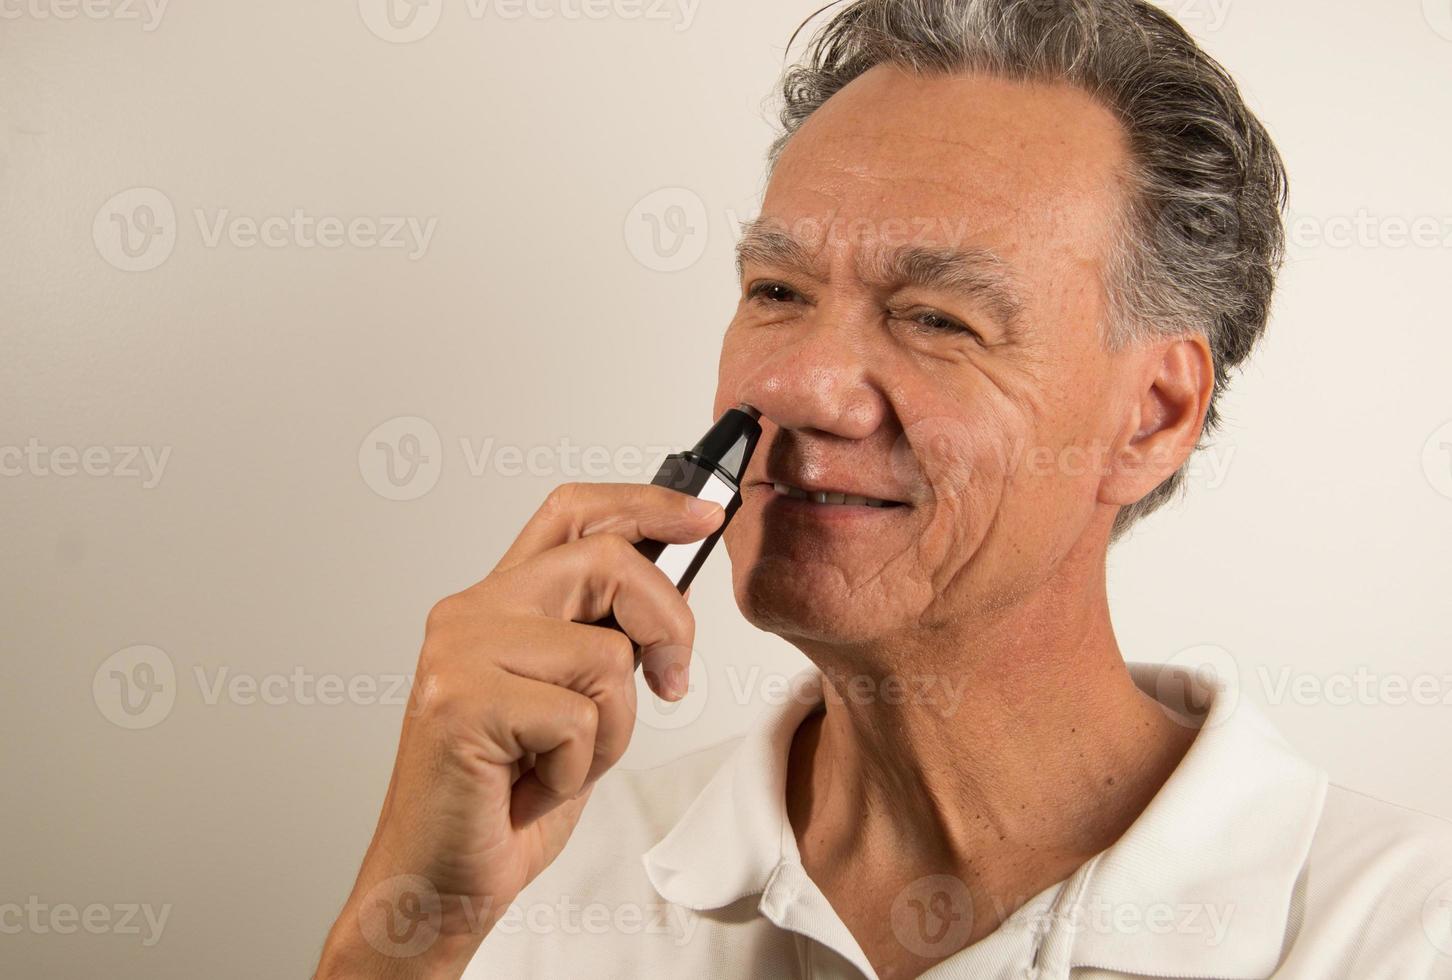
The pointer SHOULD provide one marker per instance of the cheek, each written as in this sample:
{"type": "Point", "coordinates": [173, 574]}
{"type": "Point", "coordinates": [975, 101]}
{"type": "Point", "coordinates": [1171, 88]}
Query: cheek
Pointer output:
{"type": "Point", "coordinates": [732, 367]}
{"type": "Point", "coordinates": [959, 464]}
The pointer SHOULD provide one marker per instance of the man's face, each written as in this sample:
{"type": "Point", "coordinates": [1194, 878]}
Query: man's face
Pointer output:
{"type": "Point", "coordinates": [920, 322]}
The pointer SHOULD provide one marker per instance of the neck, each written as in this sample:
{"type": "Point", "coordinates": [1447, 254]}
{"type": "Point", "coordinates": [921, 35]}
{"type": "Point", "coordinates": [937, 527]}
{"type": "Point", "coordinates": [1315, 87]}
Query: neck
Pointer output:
{"type": "Point", "coordinates": [1006, 751]}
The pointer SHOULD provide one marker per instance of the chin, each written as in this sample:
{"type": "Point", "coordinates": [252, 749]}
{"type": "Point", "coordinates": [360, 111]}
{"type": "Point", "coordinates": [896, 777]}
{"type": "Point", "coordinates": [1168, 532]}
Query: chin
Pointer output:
{"type": "Point", "coordinates": [807, 604]}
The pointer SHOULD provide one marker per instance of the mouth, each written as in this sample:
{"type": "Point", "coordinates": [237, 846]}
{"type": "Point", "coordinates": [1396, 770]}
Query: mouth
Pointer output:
{"type": "Point", "coordinates": [832, 498]}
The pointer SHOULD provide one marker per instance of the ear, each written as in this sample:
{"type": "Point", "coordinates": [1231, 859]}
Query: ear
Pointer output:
{"type": "Point", "coordinates": [1165, 419]}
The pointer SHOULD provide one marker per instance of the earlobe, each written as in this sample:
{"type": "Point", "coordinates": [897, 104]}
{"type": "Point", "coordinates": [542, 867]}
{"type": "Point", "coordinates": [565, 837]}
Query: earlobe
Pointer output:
{"type": "Point", "coordinates": [1169, 416]}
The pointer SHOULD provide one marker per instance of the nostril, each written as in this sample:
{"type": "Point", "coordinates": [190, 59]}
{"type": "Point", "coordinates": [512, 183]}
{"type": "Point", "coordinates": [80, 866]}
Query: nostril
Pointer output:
{"type": "Point", "coordinates": [754, 413]}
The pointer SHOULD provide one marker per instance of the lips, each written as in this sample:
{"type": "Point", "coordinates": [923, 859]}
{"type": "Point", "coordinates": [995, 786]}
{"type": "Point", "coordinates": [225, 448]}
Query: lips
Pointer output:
{"type": "Point", "coordinates": [831, 497]}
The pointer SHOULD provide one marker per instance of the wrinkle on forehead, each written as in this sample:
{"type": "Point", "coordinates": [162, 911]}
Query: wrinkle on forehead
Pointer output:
{"type": "Point", "coordinates": [1000, 148]}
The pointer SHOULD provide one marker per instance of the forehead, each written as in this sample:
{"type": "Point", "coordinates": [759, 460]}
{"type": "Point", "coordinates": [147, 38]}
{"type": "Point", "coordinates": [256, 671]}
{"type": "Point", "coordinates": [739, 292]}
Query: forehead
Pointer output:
{"type": "Point", "coordinates": [1032, 171]}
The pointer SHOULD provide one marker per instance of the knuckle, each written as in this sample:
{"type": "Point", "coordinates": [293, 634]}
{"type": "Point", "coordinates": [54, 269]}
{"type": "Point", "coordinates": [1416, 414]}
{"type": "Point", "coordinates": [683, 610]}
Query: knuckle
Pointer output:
{"type": "Point", "coordinates": [563, 498]}
{"type": "Point", "coordinates": [435, 698]}
{"type": "Point", "coordinates": [619, 652]}
{"type": "Point", "coordinates": [580, 716]}
{"type": "Point", "coordinates": [443, 613]}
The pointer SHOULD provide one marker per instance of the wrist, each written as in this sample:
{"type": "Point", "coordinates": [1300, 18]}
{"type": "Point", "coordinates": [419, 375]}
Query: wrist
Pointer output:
{"type": "Point", "coordinates": [394, 938]}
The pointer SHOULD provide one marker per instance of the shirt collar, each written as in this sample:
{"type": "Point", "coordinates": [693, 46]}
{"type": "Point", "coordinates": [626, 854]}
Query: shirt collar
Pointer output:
{"type": "Point", "coordinates": [1200, 884]}
{"type": "Point", "coordinates": [735, 834]}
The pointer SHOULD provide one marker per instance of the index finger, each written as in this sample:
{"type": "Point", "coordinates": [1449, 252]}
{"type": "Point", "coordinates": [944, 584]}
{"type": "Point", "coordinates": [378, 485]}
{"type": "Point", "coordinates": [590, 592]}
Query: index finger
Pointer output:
{"type": "Point", "coordinates": [632, 510]}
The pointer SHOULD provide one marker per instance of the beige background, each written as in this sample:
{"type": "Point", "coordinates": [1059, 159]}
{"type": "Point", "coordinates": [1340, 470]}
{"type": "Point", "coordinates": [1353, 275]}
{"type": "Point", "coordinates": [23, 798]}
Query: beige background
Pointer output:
{"type": "Point", "coordinates": [583, 179]}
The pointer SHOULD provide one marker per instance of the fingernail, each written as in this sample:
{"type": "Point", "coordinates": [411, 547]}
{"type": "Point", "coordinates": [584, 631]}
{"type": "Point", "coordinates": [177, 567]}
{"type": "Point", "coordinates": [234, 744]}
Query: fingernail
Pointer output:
{"type": "Point", "coordinates": [675, 681]}
{"type": "Point", "coordinates": [702, 508]}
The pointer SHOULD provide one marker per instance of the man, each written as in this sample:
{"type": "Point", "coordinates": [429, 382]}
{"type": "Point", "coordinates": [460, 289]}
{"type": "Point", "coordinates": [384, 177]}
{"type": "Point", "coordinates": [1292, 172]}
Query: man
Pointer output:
{"type": "Point", "coordinates": [1009, 253]}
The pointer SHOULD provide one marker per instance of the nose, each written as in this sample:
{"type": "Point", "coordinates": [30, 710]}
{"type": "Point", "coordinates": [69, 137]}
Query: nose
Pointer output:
{"type": "Point", "coordinates": [820, 380]}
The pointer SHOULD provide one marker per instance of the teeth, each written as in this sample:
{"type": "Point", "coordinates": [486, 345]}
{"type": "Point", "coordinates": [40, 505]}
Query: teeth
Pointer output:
{"type": "Point", "coordinates": [822, 497]}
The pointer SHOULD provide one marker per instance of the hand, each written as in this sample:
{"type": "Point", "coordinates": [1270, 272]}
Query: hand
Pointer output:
{"type": "Point", "coordinates": [518, 708]}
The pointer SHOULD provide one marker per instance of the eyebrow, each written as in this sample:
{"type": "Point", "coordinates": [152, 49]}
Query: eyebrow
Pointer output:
{"type": "Point", "coordinates": [978, 274]}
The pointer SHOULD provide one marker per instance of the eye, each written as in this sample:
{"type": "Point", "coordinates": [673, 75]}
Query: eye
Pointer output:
{"type": "Point", "coordinates": [771, 292]}
{"type": "Point", "coordinates": [934, 322]}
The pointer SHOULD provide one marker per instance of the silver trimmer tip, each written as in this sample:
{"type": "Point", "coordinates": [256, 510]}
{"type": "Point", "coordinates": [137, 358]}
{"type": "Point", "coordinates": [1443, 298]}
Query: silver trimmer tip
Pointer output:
{"type": "Point", "coordinates": [743, 407]}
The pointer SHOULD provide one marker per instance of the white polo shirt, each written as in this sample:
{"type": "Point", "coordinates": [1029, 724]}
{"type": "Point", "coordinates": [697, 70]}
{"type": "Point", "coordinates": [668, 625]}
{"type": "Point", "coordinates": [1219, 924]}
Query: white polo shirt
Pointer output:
{"type": "Point", "coordinates": [1246, 864]}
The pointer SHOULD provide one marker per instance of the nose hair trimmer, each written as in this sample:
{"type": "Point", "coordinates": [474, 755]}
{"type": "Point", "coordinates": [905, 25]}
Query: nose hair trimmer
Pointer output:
{"type": "Point", "coordinates": [711, 470]}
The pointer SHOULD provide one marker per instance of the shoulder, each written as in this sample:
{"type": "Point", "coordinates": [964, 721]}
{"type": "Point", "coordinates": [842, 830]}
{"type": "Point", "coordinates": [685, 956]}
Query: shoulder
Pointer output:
{"type": "Point", "coordinates": [1358, 821]}
{"type": "Point", "coordinates": [1376, 889]}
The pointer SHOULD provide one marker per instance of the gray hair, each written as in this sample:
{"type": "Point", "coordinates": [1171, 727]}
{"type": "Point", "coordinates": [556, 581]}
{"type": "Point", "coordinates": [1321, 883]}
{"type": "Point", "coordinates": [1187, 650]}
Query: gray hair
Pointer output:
{"type": "Point", "coordinates": [1202, 239]}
